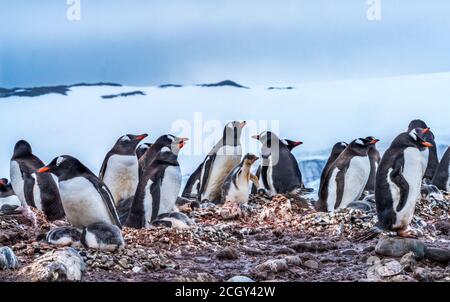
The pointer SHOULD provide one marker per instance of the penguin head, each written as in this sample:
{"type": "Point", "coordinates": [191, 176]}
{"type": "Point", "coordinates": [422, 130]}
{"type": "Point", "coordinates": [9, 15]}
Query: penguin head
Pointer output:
{"type": "Point", "coordinates": [63, 165]}
{"type": "Point", "coordinates": [372, 141]}
{"type": "Point", "coordinates": [22, 148]}
{"type": "Point", "coordinates": [249, 159]}
{"type": "Point", "coordinates": [267, 138]}
{"type": "Point", "coordinates": [417, 124]}
{"type": "Point", "coordinates": [291, 144]}
{"type": "Point", "coordinates": [171, 142]}
{"type": "Point", "coordinates": [232, 133]}
{"type": "Point", "coordinates": [126, 145]}
{"type": "Point", "coordinates": [361, 145]}
{"type": "Point", "coordinates": [418, 138]}
{"type": "Point", "coordinates": [3, 184]}
{"type": "Point", "coordinates": [142, 149]}
{"type": "Point", "coordinates": [339, 147]}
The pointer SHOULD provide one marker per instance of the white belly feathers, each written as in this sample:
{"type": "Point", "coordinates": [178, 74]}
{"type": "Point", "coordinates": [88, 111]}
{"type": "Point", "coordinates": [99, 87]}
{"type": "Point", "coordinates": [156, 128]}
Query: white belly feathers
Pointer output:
{"type": "Point", "coordinates": [121, 176]}
{"type": "Point", "coordinates": [17, 181]}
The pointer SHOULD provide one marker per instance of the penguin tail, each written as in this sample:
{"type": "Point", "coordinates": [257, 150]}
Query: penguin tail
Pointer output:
{"type": "Point", "coordinates": [372, 233]}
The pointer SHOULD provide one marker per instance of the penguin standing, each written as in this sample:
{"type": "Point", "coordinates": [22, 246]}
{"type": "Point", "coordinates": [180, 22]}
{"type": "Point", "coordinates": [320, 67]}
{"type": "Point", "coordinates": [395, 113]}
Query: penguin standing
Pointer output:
{"type": "Point", "coordinates": [147, 158]}
{"type": "Point", "coordinates": [399, 179]}
{"type": "Point", "coordinates": [433, 160]}
{"type": "Point", "coordinates": [236, 185]}
{"type": "Point", "coordinates": [37, 190]}
{"type": "Point", "coordinates": [280, 172]}
{"type": "Point", "coordinates": [85, 198]}
{"type": "Point", "coordinates": [224, 156]}
{"type": "Point", "coordinates": [337, 149]}
{"type": "Point", "coordinates": [346, 177]}
{"type": "Point", "coordinates": [441, 178]}
{"type": "Point", "coordinates": [8, 199]}
{"type": "Point", "coordinates": [120, 169]}
{"type": "Point", "coordinates": [158, 188]}
{"type": "Point", "coordinates": [291, 145]}
{"type": "Point", "coordinates": [375, 158]}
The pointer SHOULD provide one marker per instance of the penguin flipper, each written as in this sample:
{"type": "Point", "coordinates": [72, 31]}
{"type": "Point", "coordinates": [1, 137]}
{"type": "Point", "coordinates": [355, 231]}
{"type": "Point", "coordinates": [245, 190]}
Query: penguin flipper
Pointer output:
{"type": "Point", "coordinates": [191, 182]}
{"type": "Point", "coordinates": [340, 186]}
{"type": "Point", "coordinates": [399, 180]}
{"type": "Point", "coordinates": [101, 174]}
{"type": "Point", "coordinates": [207, 165]}
{"type": "Point", "coordinates": [256, 187]}
{"type": "Point", "coordinates": [108, 200]}
{"type": "Point", "coordinates": [155, 191]}
{"type": "Point", "coordinates": [372, 233]}
{"type": "Point", "coordinates": [28, 185]}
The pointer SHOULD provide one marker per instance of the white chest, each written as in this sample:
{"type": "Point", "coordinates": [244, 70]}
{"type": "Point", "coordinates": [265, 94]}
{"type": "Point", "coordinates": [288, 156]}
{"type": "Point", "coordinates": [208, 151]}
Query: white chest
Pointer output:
{"type": "Point", "coordinates": [17, 181]}
{"type": "Point", "coordinates": [121, 176]}
{"type": "Point", "coordinates": [12, 200]}
{"type": "Point", "coordinates": [82, 203]}
{"type": "Point", "coordinates": [240, 193]}
{"type": "Point", "coordinates": [356, 178]}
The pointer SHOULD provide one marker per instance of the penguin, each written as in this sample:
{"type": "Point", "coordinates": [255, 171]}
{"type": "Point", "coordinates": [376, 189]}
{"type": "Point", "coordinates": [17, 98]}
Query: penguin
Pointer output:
{"type": "Point", "coordinates": [398, 181]}
{"type": "Point", "coordinates": [85, 198]}
{"type": "Point", "coordinates": [166, 140]}
{"type": "Point", "coordinates": [346, 177]}
{"type": "Point", "coordinates": [223, 157]}
{"type": "Point", "coordinates": [175, 220]}
{"type": "Point", "coordinates": [64, 236]}
{"type": "Point", "coordinates": [158, 187]}
{"type": "Point", "coordinates": [433, 160]}
{"type": "Point", "coordinates": [236, 185]}
{"type": "Point", "coordinates": [431, 193]}
{"type": "Point", "coordinates": [8, 199]}
{"type": "Point", "coordinates": [280, 172]}
{"type": "Point", "coordinates": [193, 184]}
{"type": "Point", "coordinates": [119, 171]}
{"type": "Point", "coordinates": [375, 158]}
{"type": "Point", "coordinates": [140, 151]}
{"type": "Point", "coordinates": [337, 149]}
{"type": "Point", "coordinates": [103, 236]}
{"type": "Point", "coordinates": [291, 145]}
{"type": "Point", "coordinates": [441, 178]}
{"type": "Point", "coordinates": [37, 190]}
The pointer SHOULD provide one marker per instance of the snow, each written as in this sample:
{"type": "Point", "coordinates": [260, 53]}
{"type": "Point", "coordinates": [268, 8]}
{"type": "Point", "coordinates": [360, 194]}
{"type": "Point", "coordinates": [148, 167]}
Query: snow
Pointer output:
{"type": "Point", "coordinates": [86, 126]}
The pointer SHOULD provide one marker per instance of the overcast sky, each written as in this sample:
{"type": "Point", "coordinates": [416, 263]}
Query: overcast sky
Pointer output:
{"type": "Point", "coordinates": [145, 42]}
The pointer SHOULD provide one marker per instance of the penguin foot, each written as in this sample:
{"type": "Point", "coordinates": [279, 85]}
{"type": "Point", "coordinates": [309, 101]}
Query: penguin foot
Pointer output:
{"type": "Point", "coordinates": [408, 233]}
{"type": "Point", "coordinates": [369, 235]}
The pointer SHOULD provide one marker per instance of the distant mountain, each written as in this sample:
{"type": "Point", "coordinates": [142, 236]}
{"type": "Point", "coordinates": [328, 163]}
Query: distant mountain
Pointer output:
{"type": "Point", "coordinates": [223, 84]}
{"type": "Point", "coordinates": [38, 91]}
{"type": "Point", "coordinates": [281, 88]}
{"type": "Point", "coordinates": [123, 94]}
{"type": "Point", "coordinates": [170, 86]}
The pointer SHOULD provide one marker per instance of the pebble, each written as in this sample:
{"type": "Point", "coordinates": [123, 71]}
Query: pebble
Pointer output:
{"type": "Point", "coordinates": [408, 262]}
{"type": "Point", "coordinates": [437, 255]}
{"type": "Point", "coordinates": [8, 259]}
{"type": "Point", "coordinates": [267, 269]}
{"type": "Point", "coordinates": [293, 260]}
{"type": "Point", "coordinates": [397, 247]}
{"type": "Point", "coordinates": [389, 269]}
{"type": "Point", "coordinates": [137, 269]}
{"type": "Point", "coordinates": [423, 274]}
{"type": "Point", "coordinates": [311, 264]}
{"type": "Point", "coordinates": [240, 279]}
{"type": "Point", "coordinates": [228, 253]}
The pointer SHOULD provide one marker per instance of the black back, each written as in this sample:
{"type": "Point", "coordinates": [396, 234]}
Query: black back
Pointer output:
{"type": "Point", "coordinates": [375, 159]}
{"type": "Point", "coordinates": [433, 160]}
{"type": "Point", "coordinates": [49, 193]}
{"type": "Point", "coordinates": [337, 149]}
{"type": "Point", "coordinates": [441, 176]}
{"type": "Point", "coordinates": [193, 179]}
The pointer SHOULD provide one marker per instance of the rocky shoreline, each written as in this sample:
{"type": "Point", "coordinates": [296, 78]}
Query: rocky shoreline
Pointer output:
{"type": "Point", "coordinates": [283, 239]}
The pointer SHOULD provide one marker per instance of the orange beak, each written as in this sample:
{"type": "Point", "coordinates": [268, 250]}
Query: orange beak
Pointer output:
{"type": "Point", "coordinates": [141, 137]}
{"type": "Point", "coordinates": [373, 142]}
{"type": "Point", "coordinates": [426, 130]}
{"type": "Point", "coordinates": [43, 170]}
{"type": "Point", "coordinates": [2, 182]}
{"type": "Point", "coordinates": [427, 144]}
{"type": "Point", "coordinates": [298, 143]}
{"type": "Point", "coordinates": [182, 142]}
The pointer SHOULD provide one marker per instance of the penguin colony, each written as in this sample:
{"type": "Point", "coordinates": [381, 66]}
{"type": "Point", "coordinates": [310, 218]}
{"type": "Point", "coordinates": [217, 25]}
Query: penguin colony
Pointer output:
{"type": "Point", "coordinates": [139, 183]}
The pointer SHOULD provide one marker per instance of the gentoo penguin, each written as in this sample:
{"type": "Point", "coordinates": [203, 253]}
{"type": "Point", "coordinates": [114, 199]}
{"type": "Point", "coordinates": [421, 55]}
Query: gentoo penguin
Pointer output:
{"type": "Point", "coordinates": [399, 180]}
{"type": "Point", "coordinates": [193, 184]}
{"type": "Point", "coordinates": [64, 236]}
{"type": "Point", "coordinates": [119, 171]}
{"type": "Point", "coordinates": [158, 188]}
{"type": "Point", "coordinates": [223, 157]}
{"type": "Point", "coordinates": [37, 190]}
{"type": "Point", "coordinates": [8, 199]}
{"type": "Point", "coordinates": [433, 160]}
{"type": "Point", "coordinates": [291, 145]}
{"type": "Point", "coordinates": [166, 140]}
{"type": "Point", "coordinates": [346, 177]}
{"type": "Point", "coordinates": [441, 178]}
{"type": "Point", "coordinates": [337, 149]}
{"type": "Point", "coordinates": [141, 149]}
{"type": "Point", "coordinates": [102, 236]}
{"type": "Point", "coordinates": [280, 172]}
{"type": "Point", "coordinates": [85, 198]}
{"type": "Point", "coordinates": [236, 185]}
{"type": "Point", "coordinates": [175, 220]}
{"type": "Point", "coordinates": [375, 158]}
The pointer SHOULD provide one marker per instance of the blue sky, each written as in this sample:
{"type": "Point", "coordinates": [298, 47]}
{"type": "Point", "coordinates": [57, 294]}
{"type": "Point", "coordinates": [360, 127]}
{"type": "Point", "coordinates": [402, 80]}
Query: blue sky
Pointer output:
{"type": "Point", "coordinates": [145, 42]}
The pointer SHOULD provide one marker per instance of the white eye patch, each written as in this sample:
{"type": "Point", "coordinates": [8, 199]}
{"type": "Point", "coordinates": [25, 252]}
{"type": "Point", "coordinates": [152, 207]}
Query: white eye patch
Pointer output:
{"type": "Point", "coordinates": [165, 149]}
{"type": "Point", "coordinates": [413, 134]}
{"type": "Point", "coordinates": [359, 142]}
{"type": "Point", "coordinates": [284, 141]}
{"type": "Point", "coordinates": [344, 144]}
{"type": "Point", "coordinates": [125, 138]}
{"type": "Point", "coordinates": [60, 160]}
{"type": "Point", "coordinates": [171, 137]}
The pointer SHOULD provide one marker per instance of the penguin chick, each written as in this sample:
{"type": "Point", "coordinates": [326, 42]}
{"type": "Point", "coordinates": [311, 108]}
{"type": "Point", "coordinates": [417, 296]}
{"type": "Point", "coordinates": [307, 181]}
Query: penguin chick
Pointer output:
{"type": "Point", "coordinates": [8, 199]}
{"type": "Point", "coordinates": [236, 185]}
{"type": "Point", "coordinates": [175, 220]}
{"type": "Point", "coordinates": [64, 236]}
{"type": "Point", "coordinates": [102, 236]}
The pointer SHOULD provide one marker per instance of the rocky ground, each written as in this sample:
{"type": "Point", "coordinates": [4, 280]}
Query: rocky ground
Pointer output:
{"type": "Point", "coordinates": [282, 239]}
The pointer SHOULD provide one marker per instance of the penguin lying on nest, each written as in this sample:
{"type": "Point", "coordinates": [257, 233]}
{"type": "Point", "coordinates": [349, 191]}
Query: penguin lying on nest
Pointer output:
{"type": "Point", "coordinates": [175, 220]}
{"type": "Point", "coordinates": [8, 199]}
